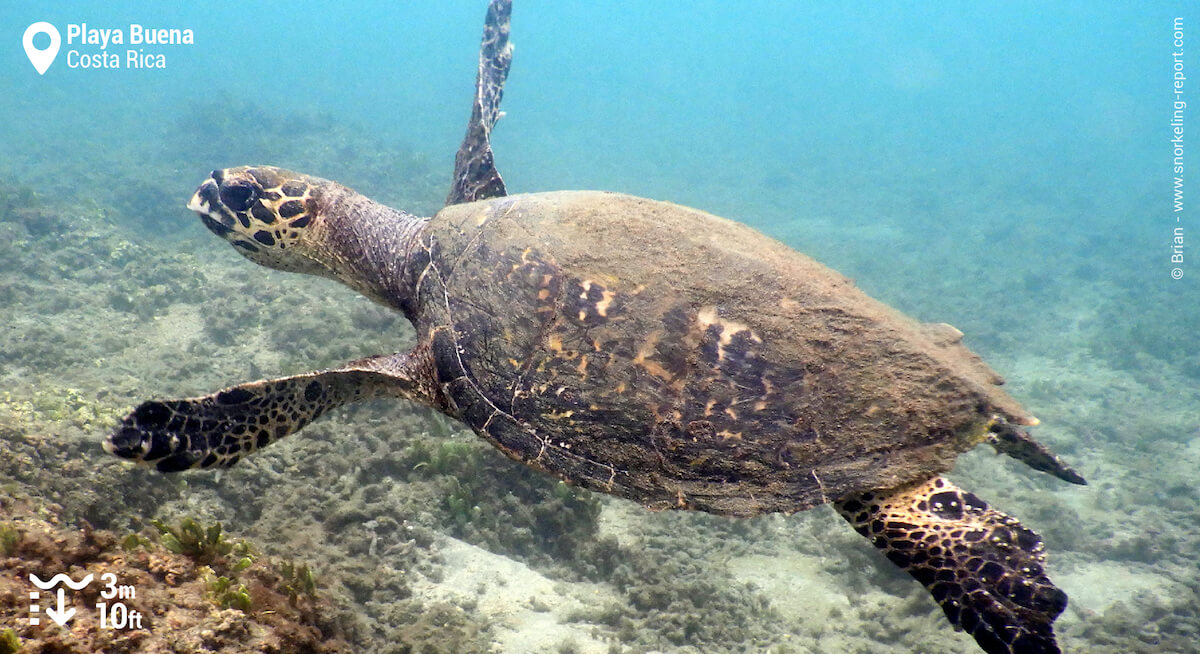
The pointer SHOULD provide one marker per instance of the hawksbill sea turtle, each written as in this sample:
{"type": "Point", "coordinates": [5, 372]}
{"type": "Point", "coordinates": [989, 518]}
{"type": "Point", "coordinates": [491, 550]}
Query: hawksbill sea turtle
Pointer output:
{"type": "Point", "coordinates": [642, 349]}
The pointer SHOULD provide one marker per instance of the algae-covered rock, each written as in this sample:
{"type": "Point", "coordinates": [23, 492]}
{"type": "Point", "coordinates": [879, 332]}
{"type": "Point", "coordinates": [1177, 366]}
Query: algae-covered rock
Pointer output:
{"type": "Point", "coordinates": [165, 595]}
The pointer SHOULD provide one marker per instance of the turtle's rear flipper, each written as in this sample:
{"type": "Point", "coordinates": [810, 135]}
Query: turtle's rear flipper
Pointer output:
{"type": "Point", "coordinates": [475, 174]}
{"type": "Point", "coordinates": [221, 428]}
{"type": "Point", "coordinates": [981, 566]}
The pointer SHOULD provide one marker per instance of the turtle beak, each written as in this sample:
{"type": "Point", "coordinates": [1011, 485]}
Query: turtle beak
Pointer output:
{"type": "Point", "coordinates": [206, 203]}
{"type": "Point", "coordinates": [204, 197]}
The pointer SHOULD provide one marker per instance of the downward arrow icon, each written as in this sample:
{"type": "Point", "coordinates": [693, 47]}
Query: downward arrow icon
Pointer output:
{"type": "Point", "coordinates": [62, 614]}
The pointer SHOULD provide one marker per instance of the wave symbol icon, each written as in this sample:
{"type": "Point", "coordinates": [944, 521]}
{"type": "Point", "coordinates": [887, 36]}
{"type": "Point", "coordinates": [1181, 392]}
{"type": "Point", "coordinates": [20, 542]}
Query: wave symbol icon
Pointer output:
{"type": "Point", "coordinates": [60, 578]}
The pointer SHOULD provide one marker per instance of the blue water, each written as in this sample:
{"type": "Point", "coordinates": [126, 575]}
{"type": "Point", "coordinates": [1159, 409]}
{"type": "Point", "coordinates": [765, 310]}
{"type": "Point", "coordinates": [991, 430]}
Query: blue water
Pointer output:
{"type": "Point", "coordinates": [1004, 167]}
{"type": "Point", "coordinates": [810, 108]}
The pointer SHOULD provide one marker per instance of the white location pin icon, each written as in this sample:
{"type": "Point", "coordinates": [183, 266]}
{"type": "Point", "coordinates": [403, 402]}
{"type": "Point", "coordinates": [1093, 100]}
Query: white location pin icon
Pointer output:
{"type": "Point", "coordinates": [41, 59]}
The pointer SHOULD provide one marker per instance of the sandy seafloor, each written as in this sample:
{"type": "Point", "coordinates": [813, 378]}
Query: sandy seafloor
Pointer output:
{"type": "Point", "coordinates": [1044, 245]}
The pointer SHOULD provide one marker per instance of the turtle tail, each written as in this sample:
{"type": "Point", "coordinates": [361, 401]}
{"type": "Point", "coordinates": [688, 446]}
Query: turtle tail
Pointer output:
{"type": "Point", "coordinates": [983, 567]}
{"type": "Point", "coordinates": [1017, 443]}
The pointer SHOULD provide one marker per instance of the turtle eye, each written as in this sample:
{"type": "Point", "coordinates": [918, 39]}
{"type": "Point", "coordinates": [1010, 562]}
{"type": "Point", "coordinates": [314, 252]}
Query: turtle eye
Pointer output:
{"type": "Point", "coordinates": [238, 196]}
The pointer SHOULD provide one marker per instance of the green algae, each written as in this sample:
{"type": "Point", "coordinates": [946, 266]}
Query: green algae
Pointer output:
{"type": "Point", "coordinates": [10, 537]}
{"type": "Point", "coordinates": [222, 592]}
{"type": "Point", "coordinates": [135, 541]}
{"type": "Point", "coordinates": [9, 643]}
{"type": "Point", "coordinates": [449, 457]}
{"type": "Point", "coordinates": [298, 580]}
{"type": "Point", "coordinates": [204, 544]}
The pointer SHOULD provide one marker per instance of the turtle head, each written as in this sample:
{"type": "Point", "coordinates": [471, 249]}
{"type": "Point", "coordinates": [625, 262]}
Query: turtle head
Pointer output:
{"type": "Point", "coordinates": [268, 214]}
{"type": "Point", "coordinates": [298, 223]}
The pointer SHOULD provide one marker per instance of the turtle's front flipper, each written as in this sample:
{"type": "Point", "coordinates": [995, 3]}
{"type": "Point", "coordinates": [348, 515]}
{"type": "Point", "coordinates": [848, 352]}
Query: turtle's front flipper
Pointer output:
{"type": "Point", "coordinates": [982, 566]}
{"type": "Point", "coordinates": [475, 174]}
{"type": "Point", "coordinates": [221, 428]}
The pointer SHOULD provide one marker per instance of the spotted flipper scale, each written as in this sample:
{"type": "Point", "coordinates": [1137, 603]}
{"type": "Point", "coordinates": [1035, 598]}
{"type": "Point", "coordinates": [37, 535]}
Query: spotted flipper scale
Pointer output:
{"type": "Point", "coordinates": [220, 429]}
{"type": "Point", "coordinates": [983, 567]}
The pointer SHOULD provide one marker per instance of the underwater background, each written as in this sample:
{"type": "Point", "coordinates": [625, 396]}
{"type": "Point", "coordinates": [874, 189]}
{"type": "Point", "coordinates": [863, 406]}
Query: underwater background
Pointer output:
{"type": "Point", "coordinates": [1006, 168]}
